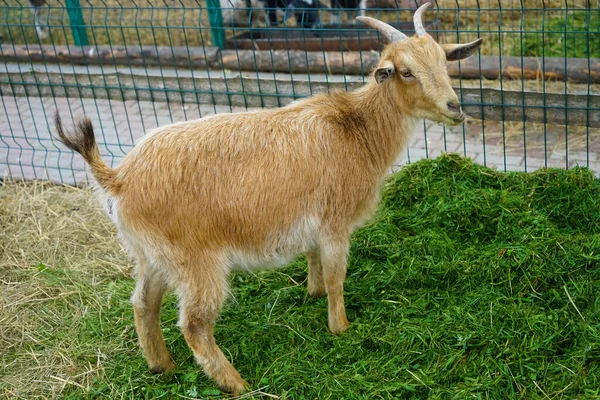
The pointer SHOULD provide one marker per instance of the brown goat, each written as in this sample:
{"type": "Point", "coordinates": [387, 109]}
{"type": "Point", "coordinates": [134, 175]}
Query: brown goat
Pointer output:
{"type": "Point", "coordinates": [195, 199]}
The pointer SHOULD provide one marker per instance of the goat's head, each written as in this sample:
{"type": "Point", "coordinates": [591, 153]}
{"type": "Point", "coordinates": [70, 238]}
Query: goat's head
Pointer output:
{"type": "Point", "coordinates": [417, 67]}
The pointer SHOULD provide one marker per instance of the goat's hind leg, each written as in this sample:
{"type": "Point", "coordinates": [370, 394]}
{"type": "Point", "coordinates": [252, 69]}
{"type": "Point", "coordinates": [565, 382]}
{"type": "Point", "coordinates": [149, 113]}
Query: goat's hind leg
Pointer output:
{"type": "Point", "coordinates": [202, 292]}
{"type": "Point", "coordinates": [146, 300]}
{"type": "Point", "coordinates": [316, 284]}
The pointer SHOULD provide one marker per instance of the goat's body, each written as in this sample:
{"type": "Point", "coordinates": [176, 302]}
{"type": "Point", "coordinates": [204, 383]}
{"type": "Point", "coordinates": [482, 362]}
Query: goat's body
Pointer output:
{"type": "Point", "coordinates": [256, 199]}
{"type": "Point", "coordinates": [196, 199]}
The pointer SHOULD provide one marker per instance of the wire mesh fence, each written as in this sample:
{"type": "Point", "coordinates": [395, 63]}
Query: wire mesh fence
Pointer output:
{"type": "Point", "coordinates": [531, 93]}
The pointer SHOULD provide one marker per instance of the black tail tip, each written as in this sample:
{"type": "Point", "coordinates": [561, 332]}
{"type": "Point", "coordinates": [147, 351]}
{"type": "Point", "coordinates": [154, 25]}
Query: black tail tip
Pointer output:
{"type": "Point", "coordinates": [82, 140]}
{"type": "Point", "coordinates": [59, 128]}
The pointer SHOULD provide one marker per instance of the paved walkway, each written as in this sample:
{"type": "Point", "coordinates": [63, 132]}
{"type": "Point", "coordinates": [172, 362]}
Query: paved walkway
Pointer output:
{"type": "Point", "coordinates": [27, 150]}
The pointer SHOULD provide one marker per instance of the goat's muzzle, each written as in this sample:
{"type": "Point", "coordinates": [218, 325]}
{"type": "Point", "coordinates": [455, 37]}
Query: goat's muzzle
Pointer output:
{"type": "Point", "coordinates": [454, 118]}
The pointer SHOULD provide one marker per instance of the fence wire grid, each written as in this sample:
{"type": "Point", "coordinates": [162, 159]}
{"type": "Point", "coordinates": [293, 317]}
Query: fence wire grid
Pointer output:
{"type": "Point", "coordinates": [531, 92]}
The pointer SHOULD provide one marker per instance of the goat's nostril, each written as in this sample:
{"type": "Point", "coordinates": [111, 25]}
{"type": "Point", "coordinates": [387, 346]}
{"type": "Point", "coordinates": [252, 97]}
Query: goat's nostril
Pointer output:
{"type": "Point", "coordinates": [454, 106]}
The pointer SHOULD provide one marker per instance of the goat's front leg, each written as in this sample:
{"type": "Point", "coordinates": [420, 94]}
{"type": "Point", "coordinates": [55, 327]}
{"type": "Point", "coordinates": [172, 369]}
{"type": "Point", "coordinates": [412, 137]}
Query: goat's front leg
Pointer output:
{"type": "Point", "coordinates": [334, 259]}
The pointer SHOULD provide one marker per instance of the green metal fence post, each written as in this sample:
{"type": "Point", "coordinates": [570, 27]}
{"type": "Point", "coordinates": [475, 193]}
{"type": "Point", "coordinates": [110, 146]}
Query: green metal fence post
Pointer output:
{"type": "Point", "coordinates": [77, 22]}
{"type": "Point", "coordinates": [216, 23]}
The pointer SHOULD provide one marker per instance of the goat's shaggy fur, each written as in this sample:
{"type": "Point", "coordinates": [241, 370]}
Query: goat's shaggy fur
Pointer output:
{"type": "Point", "coordinates": [194, 200]}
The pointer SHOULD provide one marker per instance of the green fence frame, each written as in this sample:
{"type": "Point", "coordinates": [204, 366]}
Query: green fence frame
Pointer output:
{"type": "Point", "coordinates": [216, 22]}
{"type": "Point", "coordinates": [77, 24]}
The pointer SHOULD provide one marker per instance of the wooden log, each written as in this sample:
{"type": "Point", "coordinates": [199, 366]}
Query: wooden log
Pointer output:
{"type": "Point", "coordinates": [361, 63]}
{"type": "Point", "coordinates": [548, 108]}
{"type": "Point", "coordinates": [298, 61]}
{"type": "Point", "coordinates": [528, 68]}
{"type": "Point", "coordinates": [190, 57]}
{"type": "Point", "coordinates": [579, 70]}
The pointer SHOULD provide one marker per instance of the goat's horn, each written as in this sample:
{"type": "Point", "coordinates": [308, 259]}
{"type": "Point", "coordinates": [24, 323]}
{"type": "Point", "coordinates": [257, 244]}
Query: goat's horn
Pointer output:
{"type": "Point", "coordinates": [389, 32]}
{"type": "Point", "coordinates": [419, 29]}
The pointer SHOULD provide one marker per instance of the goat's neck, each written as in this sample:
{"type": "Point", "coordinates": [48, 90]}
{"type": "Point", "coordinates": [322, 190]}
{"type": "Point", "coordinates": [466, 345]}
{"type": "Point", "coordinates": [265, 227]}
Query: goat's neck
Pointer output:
{"type": "Point", "coordinates": [384, 110]}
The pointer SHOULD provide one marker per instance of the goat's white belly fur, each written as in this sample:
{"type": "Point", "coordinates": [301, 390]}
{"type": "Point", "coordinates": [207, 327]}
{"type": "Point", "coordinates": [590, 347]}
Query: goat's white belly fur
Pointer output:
{"type": "Point", "coordinates": [280, 247]}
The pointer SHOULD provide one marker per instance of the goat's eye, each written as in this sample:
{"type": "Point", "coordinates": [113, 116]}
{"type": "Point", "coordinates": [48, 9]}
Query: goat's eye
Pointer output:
{"type": "Point", "coordinates": [406, 74]}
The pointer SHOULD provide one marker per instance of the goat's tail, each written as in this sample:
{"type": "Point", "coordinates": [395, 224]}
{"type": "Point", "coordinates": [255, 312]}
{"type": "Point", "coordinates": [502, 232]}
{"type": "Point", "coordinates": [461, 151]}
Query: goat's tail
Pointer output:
{"type": "Point", "coordinates": [83, 141]}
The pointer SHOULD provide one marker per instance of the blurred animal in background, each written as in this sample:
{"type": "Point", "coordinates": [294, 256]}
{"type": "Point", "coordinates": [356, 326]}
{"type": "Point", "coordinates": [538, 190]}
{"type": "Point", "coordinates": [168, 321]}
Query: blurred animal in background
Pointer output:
{"type": "Point", "coordinates": [244, 13]}
{"type": "Point", "coordinates": [42, 30]}
{"type": "Point", "coordinates": [353, 8]}
{"type": "Point", "coordinates": [306, 12]}
{"type": "Point", "coordinates": [395, 4]}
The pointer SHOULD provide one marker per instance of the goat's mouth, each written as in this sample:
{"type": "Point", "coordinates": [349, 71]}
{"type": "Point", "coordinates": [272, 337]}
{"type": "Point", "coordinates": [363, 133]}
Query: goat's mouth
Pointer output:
{"type": "Point", "coordinates": [454, 120]}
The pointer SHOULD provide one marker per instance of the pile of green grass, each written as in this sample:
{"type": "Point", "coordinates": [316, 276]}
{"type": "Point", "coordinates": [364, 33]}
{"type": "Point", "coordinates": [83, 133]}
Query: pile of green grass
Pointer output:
{"type": "Point", "coordinates": [467, 283]}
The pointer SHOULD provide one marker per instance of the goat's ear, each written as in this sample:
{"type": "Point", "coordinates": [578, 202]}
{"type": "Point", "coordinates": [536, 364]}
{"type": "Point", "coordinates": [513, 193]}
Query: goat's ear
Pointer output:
{"type": "Point", "coordinates": [384, 72]}
{"type": "Point", "coordinates": [455, 52]}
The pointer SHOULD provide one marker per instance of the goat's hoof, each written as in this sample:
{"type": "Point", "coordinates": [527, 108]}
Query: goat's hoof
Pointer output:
{"type": "Point", "coordinates": [238, 389]}
{"type": "Point", "coordinates": [233, 384]}
{"type": "Point", "coordinates": [163, 369]}
{"type": "Point", "coordinates": [339, 327]}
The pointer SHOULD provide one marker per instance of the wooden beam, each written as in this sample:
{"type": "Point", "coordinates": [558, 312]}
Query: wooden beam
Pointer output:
{"type": "Point", "coordinates": [361, 63]}
{"type": "Point", "coordinates": [550, 108]}
{"type": "Point", "coordinates": [187, 57]}
{"type": "Point", "coordinates": [579, 70]}
{"type": "Point", "coordinates": [298, 61]}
